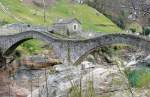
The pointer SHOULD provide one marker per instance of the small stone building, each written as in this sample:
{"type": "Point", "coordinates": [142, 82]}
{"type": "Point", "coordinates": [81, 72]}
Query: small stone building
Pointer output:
{"type": "Point", "coordinates": [79, 1]}
{"type": "Point", "coordinates": [67, 26]}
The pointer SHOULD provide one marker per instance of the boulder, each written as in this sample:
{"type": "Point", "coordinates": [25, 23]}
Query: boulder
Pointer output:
{"type": "Point", "coordinates": [22, 92]}
{"type": "Point", "coordinates": [61, 83]}
{"type": "Point", "coordinates": [38, 62]}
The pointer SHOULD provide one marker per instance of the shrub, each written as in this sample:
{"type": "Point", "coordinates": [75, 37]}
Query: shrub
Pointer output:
{"type": "Point", "coordinates": [139, 77]}
{"type": "Point", "coordinates": [119, 21]}
{"type": "Point", "coordinates": [3, 22]}
{"type": "Point", "coordinates": [33, 46]}
{"type": "Point", "coordinates": [146, 30]}
{"type": "Point", "coordinates": [18, 53]}
{"type": "Point", "coordinates": [135, 27]}
{"type": "Point", "coordinates": [133, 30]}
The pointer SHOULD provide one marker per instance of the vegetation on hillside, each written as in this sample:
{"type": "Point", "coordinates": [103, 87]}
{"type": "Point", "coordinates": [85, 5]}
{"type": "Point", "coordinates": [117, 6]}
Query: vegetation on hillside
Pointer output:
{"type": "Point", "coordinates": [16, 10]}
{"type": "Point", "coordinates": [124, 13]}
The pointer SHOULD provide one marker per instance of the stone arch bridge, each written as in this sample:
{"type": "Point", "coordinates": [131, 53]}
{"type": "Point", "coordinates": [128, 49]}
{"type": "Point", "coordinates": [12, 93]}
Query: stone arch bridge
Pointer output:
{"type": "Point", "coordinates": [69, 51]}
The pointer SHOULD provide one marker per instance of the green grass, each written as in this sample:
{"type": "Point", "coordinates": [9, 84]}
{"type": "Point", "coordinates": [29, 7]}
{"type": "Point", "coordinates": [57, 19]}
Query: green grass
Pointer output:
{"type": "Point", "coordinates": [31, 46]}
{"type": "Point", "coordinates": [76, 90]}
{"type": "Point", "coordinates": [88, 16]}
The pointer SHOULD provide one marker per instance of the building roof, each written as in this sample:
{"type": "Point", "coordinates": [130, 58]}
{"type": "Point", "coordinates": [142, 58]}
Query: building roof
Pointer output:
{"type": "Point", "coordinates": [67, 21]}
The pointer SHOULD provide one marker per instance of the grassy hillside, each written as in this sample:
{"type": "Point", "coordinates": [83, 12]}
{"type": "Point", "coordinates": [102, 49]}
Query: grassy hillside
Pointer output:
{"type": "Point", "coordinates": [90, 18]}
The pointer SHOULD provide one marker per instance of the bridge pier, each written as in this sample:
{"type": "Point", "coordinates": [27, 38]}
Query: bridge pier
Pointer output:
{"type": "Point", "coordinates": [2, 61]}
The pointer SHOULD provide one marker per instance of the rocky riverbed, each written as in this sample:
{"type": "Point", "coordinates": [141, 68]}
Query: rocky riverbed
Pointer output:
{"type": "Point", "coordinates": [95, 81]}
{"type": "Point", "coordinates": [96, 76]}
{"type": "Point", "coordinates": [101, 74]}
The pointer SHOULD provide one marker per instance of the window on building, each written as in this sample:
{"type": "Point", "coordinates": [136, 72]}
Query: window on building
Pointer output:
{"type": "Point", "coordinates": [75, 27]}
{"type": "Point", "coordinates": [148, 21]}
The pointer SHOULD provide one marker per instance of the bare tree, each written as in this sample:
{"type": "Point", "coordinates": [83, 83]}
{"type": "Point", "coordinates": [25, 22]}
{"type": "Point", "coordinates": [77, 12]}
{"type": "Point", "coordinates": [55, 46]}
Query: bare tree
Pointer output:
{"type": "Point", "coordinates": [122, 9]}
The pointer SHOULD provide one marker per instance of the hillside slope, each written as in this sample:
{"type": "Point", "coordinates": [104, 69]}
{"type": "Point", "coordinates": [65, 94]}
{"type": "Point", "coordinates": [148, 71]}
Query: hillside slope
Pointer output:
{"type": "Point", "coordinates": [18, 11]}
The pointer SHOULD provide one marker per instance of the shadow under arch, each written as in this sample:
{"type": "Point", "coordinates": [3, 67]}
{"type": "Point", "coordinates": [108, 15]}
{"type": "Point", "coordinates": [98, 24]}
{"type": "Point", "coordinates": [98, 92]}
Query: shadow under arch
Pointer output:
{"type": "Point", "coordinates": [82, 57]}
{"type": "Point", "coordinates": [25, 36]}
{"type": "Point", "coordinates": [13, 47]}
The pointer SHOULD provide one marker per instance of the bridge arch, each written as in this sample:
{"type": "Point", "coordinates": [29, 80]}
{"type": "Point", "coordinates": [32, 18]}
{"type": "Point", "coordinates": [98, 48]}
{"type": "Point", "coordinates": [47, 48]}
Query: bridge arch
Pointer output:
{"type": "Point", "coordinates": [82, 57]}
{"type": "Point", "coordinates": [71, 51]}
{"type": "Point", "coordinates": [13, 47]}
{"type": "Point", "coordinates": [138, 42]}
{"type": "Point", "coordinates": [15, 40]}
